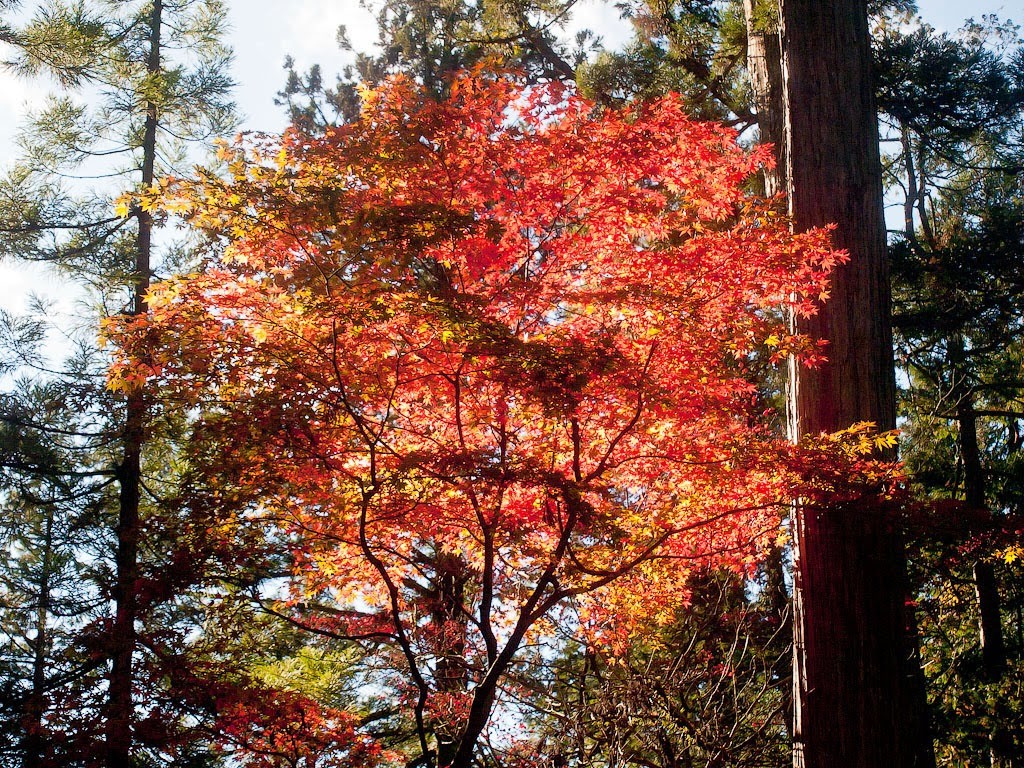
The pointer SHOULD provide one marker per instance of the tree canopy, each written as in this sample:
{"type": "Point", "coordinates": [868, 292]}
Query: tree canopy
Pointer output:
{"type": "Point", "coordinates": [480, 363]}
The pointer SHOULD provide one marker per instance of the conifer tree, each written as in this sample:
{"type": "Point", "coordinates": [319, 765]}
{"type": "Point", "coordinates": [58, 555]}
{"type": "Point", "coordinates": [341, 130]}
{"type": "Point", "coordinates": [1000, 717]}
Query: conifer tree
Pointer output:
{"type": "Point", "coordinates": [141, 84]}
{"type": "Point", "coordinates": [432, 41]}
{"type": "Point", "coordinates": [953, 102]}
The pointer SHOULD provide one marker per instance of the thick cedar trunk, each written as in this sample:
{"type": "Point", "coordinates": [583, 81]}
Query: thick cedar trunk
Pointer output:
{"type": "Point", "coordinates": [858, 703]}
{"type": "Point", "coordinates": [120, 707]}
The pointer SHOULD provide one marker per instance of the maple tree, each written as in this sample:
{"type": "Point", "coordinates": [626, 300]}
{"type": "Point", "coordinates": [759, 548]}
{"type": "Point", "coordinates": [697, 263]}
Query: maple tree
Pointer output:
{"type": "Point", "coordinates": [481, 364]}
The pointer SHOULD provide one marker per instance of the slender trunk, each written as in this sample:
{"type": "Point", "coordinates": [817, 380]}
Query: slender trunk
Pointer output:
{"type": "Point", "coordinates": [480, 709]}
{"type": "Point", "coordinates": [922, 202]}
{"type": "Point", "coordinates": [986, 585]}
{"type": "Point", "coordinates": [129, 473]}
{"type": "Point", "coordinates": [990, 630]}
{"type": "Point", "coordinates": [993, 652]}
{"type": "Point", "coordinates": [780, 604]}
{"type": "Point", "coordinates": [858, 701]}
{"type": "Point", "coordinates": [486, 688]}
{"type": "Point", "coordinates": [34, 742]}
{"type": "Point", "coordinates": [448, 618]}
{"type": "Point", "coordinates": [119, 705]}
{"type": "Point", "coordinates": [912, 191]}
{"type": "Point", "coordinates": [990, 627]}
{"type": "Point", "coordinates": [764, 67]}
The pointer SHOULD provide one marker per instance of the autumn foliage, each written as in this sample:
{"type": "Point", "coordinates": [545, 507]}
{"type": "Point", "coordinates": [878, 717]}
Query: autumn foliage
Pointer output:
{"type": "Point", "coordinates": [484, 367]}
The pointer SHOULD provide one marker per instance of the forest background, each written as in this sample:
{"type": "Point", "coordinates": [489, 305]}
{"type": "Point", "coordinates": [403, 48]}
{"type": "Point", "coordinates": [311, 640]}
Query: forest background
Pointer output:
{"type": "Point", "coordinates": [93, 615]}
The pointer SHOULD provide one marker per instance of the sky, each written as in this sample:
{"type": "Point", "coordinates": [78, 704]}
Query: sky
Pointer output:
{"type": "Point", "coordinates": [262, 36]}
{"type": "Point", "coordinates": [262, 39]}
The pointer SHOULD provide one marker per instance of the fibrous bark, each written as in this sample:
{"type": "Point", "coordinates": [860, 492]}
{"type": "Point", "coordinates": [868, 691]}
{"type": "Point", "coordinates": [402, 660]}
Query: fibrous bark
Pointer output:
{"type": "Point", "coordinates": [858, 700]}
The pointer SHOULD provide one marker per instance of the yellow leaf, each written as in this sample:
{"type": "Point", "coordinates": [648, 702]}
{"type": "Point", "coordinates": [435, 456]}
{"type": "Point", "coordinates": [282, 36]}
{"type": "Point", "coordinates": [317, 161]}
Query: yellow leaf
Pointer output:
{"type": "Point", "coordinates": [886, 440]}
{"type": "Point", "coordinates": [1012, 553]}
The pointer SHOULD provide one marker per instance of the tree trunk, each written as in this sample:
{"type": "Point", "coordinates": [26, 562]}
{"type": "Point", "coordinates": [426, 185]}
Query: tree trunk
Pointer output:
{"type": "Point", "coordinates": [129, 473]}
{"type": "Point", "coordinates": [990, 628]}
{"type": "Point", "coordinates": [986, 585]}
{"type": "Point", "coordinates": [780, 604]}
{"type": "Point", "coordinates": [764, 66]}
{"type": "Point", "coordinates": [857, 700]}
{"type": "Point", "coordinates": [448, 618]}
{"type": "Point", "coordinates": [34, 742]}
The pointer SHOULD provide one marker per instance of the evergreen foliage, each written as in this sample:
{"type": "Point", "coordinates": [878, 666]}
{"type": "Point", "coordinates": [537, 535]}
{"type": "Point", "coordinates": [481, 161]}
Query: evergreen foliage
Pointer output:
{"type": "Point", "coordinates": [91, 591]}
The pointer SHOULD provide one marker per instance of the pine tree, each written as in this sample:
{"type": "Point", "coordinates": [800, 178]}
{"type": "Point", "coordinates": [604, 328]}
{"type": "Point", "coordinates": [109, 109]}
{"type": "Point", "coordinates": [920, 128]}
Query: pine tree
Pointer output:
{"type": "Point", "coordinates": [954, 104]}
{"type": "Point", "coordinates": [432, 41]}
{"type": "Point", "coordinates": [141, 84]}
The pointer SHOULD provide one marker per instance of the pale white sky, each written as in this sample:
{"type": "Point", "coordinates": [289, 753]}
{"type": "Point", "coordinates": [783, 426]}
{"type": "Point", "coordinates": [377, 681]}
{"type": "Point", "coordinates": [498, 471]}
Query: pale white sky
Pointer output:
{"type": "Point", "coordinates": [262, 37]}
{"type": "Point", "coordinates": [263, 32]}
